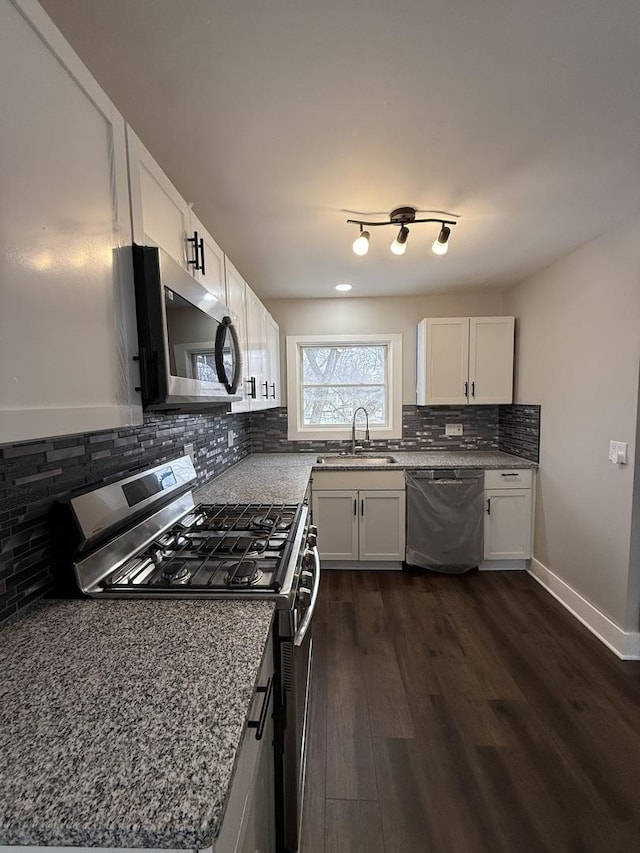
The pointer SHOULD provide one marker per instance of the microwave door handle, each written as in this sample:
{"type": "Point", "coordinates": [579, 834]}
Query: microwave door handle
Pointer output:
{"type": "Point", "coordinates": [304, 625]}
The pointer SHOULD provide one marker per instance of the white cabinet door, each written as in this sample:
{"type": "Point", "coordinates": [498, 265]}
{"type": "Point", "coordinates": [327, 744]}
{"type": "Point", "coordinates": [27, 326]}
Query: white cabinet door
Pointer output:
{"type": "Point", "coordinates": [491, 360]}
{"type": "Point", "coordinates": [465, 361]}
{"type": "Point", "coordinates": [336, 515]}
{"type": "Point", "coordinates": [159, 214]}
{"type": "Point", "coordinates": [507, 524]}
{"type": "Point", "coordinates": [443, 361]}
{"type": "Point", "coordinates": [382, 525]}
{"type": "Point", "coordinates": [236, 300]}
{"type": "Point", "coordinates": [249, 818]}
{"type": "Point", "coordinates": [67, 322]}
{"type": "Point", "coordinates": [211, 256]}
{"type": "Point", "coordinates": [273, 356]}
{"type": "Point", "coordinates": [257, 361]}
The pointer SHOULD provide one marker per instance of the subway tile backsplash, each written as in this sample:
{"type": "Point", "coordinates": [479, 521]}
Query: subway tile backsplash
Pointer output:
{"type": "Point", "coordinates": [35, 474]}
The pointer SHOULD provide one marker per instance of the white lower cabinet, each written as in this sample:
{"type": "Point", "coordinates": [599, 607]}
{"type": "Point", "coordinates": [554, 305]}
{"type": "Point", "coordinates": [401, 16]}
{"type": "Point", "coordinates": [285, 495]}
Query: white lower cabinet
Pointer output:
{"type": "Point", "coordinates": [508, 515]}
{"type": "Point", "coordinates": [360, 519]}
{"type": "Point", "coordinates": [248, 824]}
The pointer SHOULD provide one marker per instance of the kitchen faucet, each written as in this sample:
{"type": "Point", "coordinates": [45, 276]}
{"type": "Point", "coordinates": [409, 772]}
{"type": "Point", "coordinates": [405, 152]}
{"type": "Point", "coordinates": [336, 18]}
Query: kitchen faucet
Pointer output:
{"type": "Point", "coordinates": [353, 429]}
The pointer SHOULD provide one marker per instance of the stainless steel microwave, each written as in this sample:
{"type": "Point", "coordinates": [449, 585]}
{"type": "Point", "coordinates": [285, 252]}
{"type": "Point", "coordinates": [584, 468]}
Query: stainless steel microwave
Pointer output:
{"type": "Point", "coordinates": [189, 352]}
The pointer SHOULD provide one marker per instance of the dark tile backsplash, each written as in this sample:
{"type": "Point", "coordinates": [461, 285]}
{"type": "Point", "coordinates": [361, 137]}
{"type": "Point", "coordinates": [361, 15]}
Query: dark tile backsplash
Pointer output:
{"type": "Point", "coordinates": [422, 429]}
{"type": "Point", "coordinates": [519, 430]}
{"type": "Point", "coordinates": [35, 474]}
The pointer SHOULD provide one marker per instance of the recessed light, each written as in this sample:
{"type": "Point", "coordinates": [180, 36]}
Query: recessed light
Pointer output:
{"type": "Point", "coordinates": [344, 286]}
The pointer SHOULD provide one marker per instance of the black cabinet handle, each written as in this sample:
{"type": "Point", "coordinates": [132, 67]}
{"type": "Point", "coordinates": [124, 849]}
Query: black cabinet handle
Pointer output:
{"type": "Point", "coordinates": [260, 723]}
{"type": "Point", "coordinates": [355, 506]}
{"type": "Point", "coordinates": [488, 506]}
{"type": "Point", "coordinates": [252, 391]}
{"type": "Point", "coordinates": [198, 251]}
{"type": "Point", "coordinates": [273, 390]}
{"type": "Point", "coordinates": [473, 389]}
{"type": "Point", "coordinates": [362, 508]}
{"type": "Point", "coordinates": [466, 389]}
{"type": "Point", "coordinates": [201, 244]}
{"type": "Point", "coordinates": [196, 262]}
{"type": "Point", "coordinates": [266, 390]}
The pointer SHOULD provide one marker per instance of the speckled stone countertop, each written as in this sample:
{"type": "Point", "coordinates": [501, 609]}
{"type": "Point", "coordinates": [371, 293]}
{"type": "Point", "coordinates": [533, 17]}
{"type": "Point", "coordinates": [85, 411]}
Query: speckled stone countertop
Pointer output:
{"type": "Point", "coordinates": [261, 478]}
{"type": "Point", "coordinates": [284, 477]}
{"type": "Point", "coordinates": [120, 720]}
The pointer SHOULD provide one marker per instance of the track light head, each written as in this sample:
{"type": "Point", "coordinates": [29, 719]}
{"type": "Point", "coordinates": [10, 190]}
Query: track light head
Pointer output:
{"type": "Point", "coordinates": [399, 245]}
{"type": "Point", "coordinates": [441, 243]}
{"type": "Point", "coordinates": [361, 243]}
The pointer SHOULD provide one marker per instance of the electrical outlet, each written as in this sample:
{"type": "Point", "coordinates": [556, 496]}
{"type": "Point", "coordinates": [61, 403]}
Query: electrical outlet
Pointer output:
{"type": "Point", "coordinates": [618, 452]}
{"type": "Point", "coordinates": [231, 438]}
{"type": "Point", "coordinates": [190, 451]}
{"type": "Point", "coordinates": [453, 429]}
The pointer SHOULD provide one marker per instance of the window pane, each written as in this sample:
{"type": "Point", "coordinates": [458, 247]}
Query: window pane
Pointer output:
{"type": "Point", "coordinates": [335, 404]}
{"type": "Point", "coordinates": [203, 365]}
{"type": "Point", "coordinates": [354, 365]}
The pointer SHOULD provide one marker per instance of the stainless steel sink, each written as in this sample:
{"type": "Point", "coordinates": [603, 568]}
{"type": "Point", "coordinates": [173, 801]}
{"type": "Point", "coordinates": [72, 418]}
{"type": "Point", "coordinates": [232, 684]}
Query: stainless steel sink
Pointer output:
{"type": "Point", "coordinates": [359, 459]}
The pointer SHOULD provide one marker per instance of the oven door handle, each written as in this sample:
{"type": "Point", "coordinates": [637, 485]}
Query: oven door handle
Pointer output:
{"type": "Point", "coordinates": [304, 625]}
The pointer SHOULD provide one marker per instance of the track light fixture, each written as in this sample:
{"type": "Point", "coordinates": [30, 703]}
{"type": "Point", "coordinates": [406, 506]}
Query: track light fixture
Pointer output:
{"type": "Point", "coordinates": [402, 216]}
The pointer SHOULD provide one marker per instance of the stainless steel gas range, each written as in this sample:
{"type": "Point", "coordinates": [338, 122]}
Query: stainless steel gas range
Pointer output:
{"type": "Point", "coordinates": [144, 537]}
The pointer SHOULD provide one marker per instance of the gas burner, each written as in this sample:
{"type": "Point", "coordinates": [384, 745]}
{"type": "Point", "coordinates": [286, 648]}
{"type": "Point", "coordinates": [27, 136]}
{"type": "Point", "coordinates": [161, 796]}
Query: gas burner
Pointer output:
{"type": "Point", "coordinates": [266, 523]}
{"type": "Point", "coordinates": [241, 573]}
{"type": "Point", "coordinates": [176, 573]}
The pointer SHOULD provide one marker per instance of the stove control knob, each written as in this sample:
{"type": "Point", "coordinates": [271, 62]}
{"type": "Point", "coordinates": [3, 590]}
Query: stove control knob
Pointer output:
{"type": "Point", "coordinates": [304, 596]}
{"type": "Point", "coordinates": [308, 560]}
{"type": "Point", "coordinates": [305, 577]}
{"type": "Point", "coordinates": [313, 530]}
{"type": "Point", "coordinates": [312, 540]}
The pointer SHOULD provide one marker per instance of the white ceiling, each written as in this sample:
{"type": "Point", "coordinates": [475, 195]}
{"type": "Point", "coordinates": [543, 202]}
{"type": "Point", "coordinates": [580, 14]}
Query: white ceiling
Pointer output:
{"type": "Point", "coordinates": [275, 116]}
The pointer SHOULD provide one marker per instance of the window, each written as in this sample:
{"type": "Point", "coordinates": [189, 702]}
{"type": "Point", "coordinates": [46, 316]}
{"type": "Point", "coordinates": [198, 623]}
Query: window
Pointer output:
{"type": "Point", "coordinates": [330, 376]}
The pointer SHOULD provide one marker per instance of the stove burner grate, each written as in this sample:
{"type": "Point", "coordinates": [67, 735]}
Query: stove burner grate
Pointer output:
{"type": "Point", "coordinates": [247, 546]}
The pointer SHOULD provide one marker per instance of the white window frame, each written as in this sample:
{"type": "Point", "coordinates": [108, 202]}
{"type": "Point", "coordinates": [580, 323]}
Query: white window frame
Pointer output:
{"type": "Point", "coordinates": [297, 431]}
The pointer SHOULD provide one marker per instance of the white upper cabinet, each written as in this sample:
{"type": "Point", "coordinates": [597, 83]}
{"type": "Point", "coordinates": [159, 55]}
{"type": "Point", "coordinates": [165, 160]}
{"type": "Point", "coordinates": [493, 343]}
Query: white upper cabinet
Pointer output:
{"type": "Point", "coordinates": [209, 270]}
{"type": "Point", "coordinates": [67, 324]}
{"type": "Point", "coordinates": [257, 361]}
{"type": "Point", "coordinates": [465, 361]}
{"type": "Point", "coordinates": [159, 214]}
{"type": "Point", "coordinates": [161, 217]}
{"type": "Point", "coordinates": [236, 301]}
{"type": "Point", "coordinates": [260, 344]}
{"type": "Point", "coordinates": [273, 358]}
{"type": "Point", "coordinates": [491, 359]}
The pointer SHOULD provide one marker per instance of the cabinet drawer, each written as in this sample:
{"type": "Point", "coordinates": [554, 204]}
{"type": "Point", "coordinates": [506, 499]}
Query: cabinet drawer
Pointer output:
{"type": "Point", "coordinates": [508, 478]}
{"type": "Point", "coordinates": [358, 479]}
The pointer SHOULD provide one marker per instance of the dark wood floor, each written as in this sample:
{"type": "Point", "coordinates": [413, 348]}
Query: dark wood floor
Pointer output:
{"type": "Point", "coordinates": [469, 714]}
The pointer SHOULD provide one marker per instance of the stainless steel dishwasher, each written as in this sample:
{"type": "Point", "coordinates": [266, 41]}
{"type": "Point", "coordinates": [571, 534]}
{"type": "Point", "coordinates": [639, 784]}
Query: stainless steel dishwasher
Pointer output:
{"type": "Point", "coordinates": [445, 519]}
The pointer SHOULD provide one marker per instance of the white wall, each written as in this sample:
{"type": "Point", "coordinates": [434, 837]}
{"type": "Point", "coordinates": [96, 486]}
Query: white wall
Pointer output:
{"type": "Point", "coordinates": [355, 315]}
{"type": "Point", "coordinates": [577, 355]}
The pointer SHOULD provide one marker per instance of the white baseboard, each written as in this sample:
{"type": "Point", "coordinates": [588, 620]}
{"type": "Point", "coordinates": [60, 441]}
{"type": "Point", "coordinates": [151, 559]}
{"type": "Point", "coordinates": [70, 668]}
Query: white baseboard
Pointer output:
{"type": "Point", "coordinates": [624, 644]}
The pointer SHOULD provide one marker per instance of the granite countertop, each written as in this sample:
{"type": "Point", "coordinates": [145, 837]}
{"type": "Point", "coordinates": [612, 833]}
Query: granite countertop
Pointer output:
{"type": "Point", "coordinates": [283, 477]}
{"type": "Point", "coordinates": [261, 478]}
{"type": "Point", "coordinates": [120, 720]}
